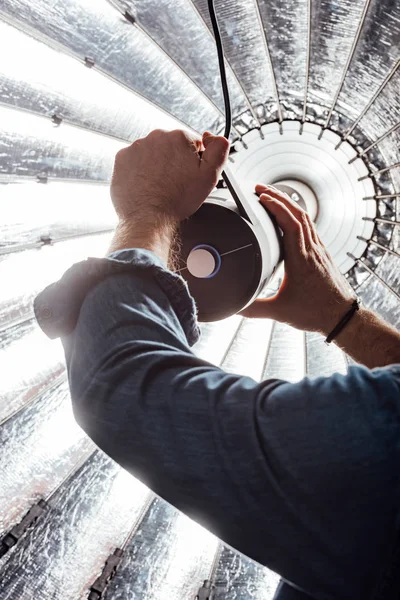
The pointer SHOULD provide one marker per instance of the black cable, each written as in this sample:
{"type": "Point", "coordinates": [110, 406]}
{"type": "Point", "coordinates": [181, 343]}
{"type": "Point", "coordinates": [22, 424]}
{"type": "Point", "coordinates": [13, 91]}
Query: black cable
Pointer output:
{"type": "Point", "coordinates": [221, 61]}
{"type": "Point", "coordinates": [228, 112]}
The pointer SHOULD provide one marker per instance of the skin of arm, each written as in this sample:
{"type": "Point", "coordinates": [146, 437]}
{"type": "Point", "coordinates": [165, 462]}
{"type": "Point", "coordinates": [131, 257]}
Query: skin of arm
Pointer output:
{"type": "Point", "coordinates": [370, 341]}
{"type": "Point", "coordinates": [161, 179]}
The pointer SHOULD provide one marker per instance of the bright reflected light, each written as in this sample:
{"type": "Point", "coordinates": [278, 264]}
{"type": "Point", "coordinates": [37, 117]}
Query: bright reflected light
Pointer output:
{"type": "Point", "coordinates": [125, 487]}
{"type": "Point", "coordinates": [37, 130]}
{"type": "Point", "coordinates": [215, 339]}
{"type": "Point", "coordinates": [29, 272]}
{"type": "Point", "coordinates": [39, 448]}
{"type": "Point", "coordinates": [30, 210]}
{"type": "Point", "coordinates": [190, 560]}
{"type": "Point", "coordinates": [286, 356]}
{"type": "Point", "coordinates": [85, 94]}
{"type": "Point", "coordinates": [24, 359]}
{"type": "Point", "coordinates": [249, 349]}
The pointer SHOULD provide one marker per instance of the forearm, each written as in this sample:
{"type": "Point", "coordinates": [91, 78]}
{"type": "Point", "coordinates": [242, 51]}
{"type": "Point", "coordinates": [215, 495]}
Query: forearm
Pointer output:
{"type": "Point", "coordinates": [369, 340]}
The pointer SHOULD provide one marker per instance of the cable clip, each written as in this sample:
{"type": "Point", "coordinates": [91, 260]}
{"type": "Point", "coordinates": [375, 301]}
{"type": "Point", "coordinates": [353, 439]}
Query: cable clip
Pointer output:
{"type": "Point", "coordinates": [89, 62]}
{"type": "Point", "coordinates": [56, 120]}
{"type": "Point", "coordinates": [110, 568]}
{"type": "Point", "coordinates": [206, 592]}
{"type": "Point", "coordinates": [46, 240]}
{"type": "Point", "coordinates": [12, 537]}
{"type": "Point", "coordinates": [129, 17]}
{"type": "Point", "coordinates": [42, 178]}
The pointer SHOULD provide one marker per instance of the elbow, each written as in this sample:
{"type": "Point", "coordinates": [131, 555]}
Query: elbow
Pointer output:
{"type": "Point", "coordinates": [85, 393]}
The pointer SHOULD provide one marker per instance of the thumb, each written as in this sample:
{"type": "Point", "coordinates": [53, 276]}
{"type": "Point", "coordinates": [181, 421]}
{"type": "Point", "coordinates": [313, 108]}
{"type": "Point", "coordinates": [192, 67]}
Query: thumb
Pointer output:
{"type": "Point", "coordinates": [263, 308]}
{"type": "Point", "coordinates": [215, 154]}
{"type": "Point", "coordinates": [207, 134]}
{"type": "Point", "coordinates": [267, 308]}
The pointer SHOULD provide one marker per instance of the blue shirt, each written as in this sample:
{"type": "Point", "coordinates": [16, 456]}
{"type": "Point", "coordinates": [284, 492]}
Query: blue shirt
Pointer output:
{"type": "Point", "coordinates": [303, 478]}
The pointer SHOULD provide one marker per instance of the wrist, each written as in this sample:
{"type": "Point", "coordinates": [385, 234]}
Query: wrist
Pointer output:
{"type": "Point", "coordinates": [156, 236]}
{"type": "Point", "coordinates": [369, 340]}
{"type": "Point", "coordinates": [351, 329]}
{"type": "Point", "coordinates": [335, 314]}
{"type": "Point", "coordinates": [344, 320]}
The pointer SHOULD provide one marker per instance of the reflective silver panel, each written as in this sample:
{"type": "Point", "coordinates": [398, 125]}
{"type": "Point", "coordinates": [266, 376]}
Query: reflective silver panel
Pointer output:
{"type": "Point", "coordinates": [286, 28]}
{"type": "Point", "coordinates": [87, 518]}
{"type": "Point", "coordinates": [216, 338]}
{"type": "Point", "coordinates": [248, 351]}
{"type": "Point", "coordinates": [323, 360]}
{"type": "Point", "coordinates": [65, 151]}
{"type": "Point", "coordinates": [378, 298]}
{"type": "Point", "coordinates": [389, 271]}
{"type": "Point", "coordinates": [178, 26]}
{"type": "Point", "coordinates": [377, 50]}
{"type": "Point", "coordinates": [390, 148]}
{"type": "Point", "coordinates": [239, 578]}
{"type": "Point", "coordinates": [29, 272]}
{"type": "Point", "coordinates": [385, 111]}
{"type": "Point", "coordinates": [169, 557]}
{"type": "Point", "coordinates": [29, 364]}
{"type": "Point", "coordinates": [384, 233]}
{"type": "Point", "coordinates": [31, 211]}
{"type": "Point", "coordinates": [39, 447]}
{"type": "Point", "coordinates": [286, 356]}
{"type": "Point", "coordinates": [334, 25]}
{"type": "Point", "coordinates": [243, 46]}
{"type": "Point", "coordinates": [100, 32]}
{"type": "Point", "coordinates": [386, 208]}
{"type": "Point", "coordinates": [77, 94]}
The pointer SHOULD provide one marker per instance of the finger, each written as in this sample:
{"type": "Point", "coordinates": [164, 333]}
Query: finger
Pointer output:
{"type": "Point", "coordinates": [197, 144]}
{"type": "Point", "coordinates": [262, 188]}
{"type": "Point", "coordinates": [205, 141]}
{"type": "Point", "coordinates": [313, 230]}
{"type": "Point", "coordinates": [300, 214]}
{"type": "Point", "coordinates": [319, 241]}
{"type": "Point", "coordinates": [187, 139]}
{"type": "Point", "coordinates": [311, 227]}
{"type": "Point", "coordinates": [293, 238]}
{"type": "Point", "coordinates": [215, 154]}
{"type": "Point", "coordinates": [287, 201]}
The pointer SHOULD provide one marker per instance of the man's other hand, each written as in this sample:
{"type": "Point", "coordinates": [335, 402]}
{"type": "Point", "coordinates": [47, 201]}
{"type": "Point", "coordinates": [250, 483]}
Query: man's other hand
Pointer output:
{"type": "Point", "coordinates": [314, 295]}
{"type": "Point", "coordinates": [162, 178]}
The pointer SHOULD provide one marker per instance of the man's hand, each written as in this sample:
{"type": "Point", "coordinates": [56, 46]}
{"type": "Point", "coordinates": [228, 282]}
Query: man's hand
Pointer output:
{"type": "Point", "coordinates": [314, 295]}
{"type": "Point", "coordinates": [160, 180]}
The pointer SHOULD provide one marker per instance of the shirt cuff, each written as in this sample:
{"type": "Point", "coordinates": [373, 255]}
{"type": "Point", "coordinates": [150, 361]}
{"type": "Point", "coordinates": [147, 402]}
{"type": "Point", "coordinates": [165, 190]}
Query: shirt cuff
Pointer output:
{"type": "Point", "coordinates": [57, 307]}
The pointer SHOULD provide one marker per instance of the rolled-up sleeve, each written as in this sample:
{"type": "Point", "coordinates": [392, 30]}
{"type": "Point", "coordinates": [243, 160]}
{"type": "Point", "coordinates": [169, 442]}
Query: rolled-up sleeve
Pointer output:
{"type": "Point", "coordinates": [303, 478]}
